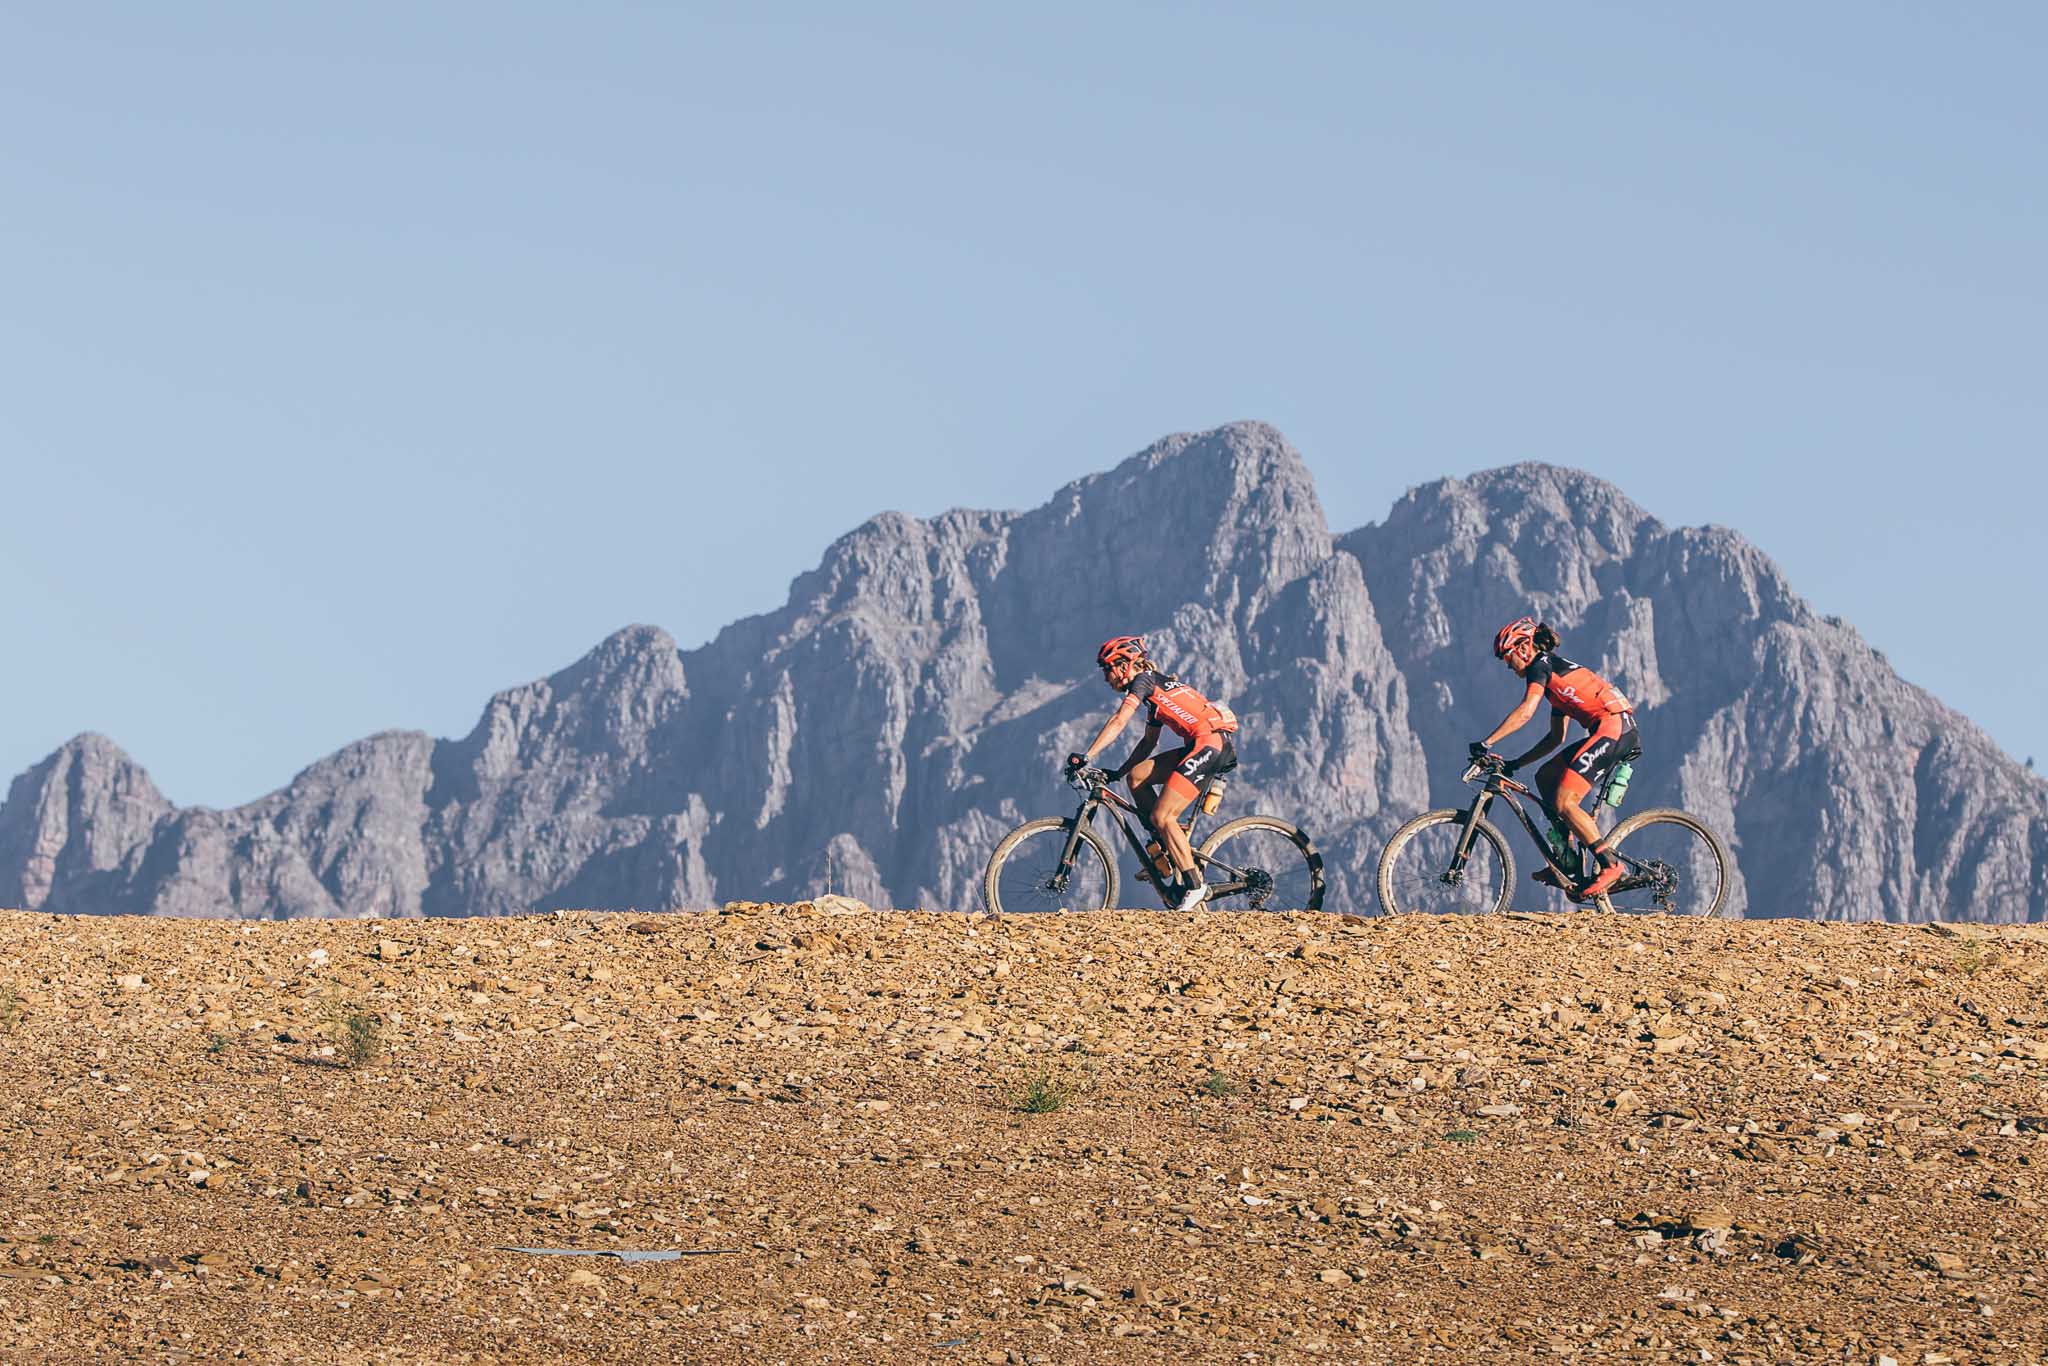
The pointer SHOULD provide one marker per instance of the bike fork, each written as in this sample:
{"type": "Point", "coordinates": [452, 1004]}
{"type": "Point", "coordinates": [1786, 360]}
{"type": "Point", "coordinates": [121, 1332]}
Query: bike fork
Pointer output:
{"type": "Point", "coordinates": [1081, 818]}
{"type": "Point", "coordinates": [1468, 834]}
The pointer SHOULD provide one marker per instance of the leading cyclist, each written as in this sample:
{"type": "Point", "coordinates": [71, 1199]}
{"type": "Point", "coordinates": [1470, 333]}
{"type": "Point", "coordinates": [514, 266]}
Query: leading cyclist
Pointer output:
{"type": "Point", "coordinates": [1576, 693]}
{"type": "Point", "coordinates": [1163, 785]}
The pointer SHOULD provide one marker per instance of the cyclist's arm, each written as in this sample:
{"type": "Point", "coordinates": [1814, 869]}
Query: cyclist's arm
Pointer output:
{"type": "Point", "coordinates": [1519, 717]}
{"type": "Point", "coordinates": [1112, 728]}
{"type": "Point", "coordinates": [1551, 740]}
{"type": "Point", "coordinates": [1144, 750]}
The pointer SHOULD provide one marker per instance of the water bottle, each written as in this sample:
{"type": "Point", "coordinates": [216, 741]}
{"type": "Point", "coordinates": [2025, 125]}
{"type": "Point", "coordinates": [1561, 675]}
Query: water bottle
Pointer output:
{"type": "Point", "coordinates": [1563, 852]}
{"type": "Point", "coordinates": [1213, 798]}
{"type": "Point", "coordinates": [1617, 783]}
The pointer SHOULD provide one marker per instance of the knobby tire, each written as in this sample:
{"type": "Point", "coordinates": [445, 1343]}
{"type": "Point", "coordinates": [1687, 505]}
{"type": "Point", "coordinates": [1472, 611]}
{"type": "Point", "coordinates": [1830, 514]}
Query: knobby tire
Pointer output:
{"type": "Point", "coordinates": [1399, 878]}
{"type": "Point", "coordinates": [1715, 851]}
{"type": "Point", "coordinates": [1300, 879]}
{"type": "Point", "coordinates": [1026, 838]}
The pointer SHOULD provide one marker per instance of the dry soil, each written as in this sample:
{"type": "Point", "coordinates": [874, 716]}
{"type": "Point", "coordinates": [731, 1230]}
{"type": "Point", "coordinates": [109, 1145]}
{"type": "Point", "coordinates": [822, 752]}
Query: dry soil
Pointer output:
{"type": "Point", "coordinates": [923, 1137]}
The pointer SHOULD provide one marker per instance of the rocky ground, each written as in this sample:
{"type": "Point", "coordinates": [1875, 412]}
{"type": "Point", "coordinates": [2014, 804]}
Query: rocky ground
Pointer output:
{"type": "Point", "coordinates": [1119, 1137]}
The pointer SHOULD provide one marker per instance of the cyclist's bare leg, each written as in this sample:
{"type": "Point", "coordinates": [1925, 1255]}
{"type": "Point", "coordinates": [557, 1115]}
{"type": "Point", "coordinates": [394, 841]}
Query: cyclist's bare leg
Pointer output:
{"type": "Point", "coordinates": [1145, 777]}
{"type": "Point", "coordinates": [1166, 822]}
{"type": "Point", "coordinates": [1571, 791]}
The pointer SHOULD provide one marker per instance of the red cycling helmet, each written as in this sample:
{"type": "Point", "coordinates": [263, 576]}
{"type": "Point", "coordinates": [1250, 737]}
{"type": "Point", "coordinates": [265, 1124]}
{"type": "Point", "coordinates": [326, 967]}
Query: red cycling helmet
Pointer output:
{"type": "Point", "coordinates": [1117, 649]}
{"type": "Point", "coordinates": [1513, 634]}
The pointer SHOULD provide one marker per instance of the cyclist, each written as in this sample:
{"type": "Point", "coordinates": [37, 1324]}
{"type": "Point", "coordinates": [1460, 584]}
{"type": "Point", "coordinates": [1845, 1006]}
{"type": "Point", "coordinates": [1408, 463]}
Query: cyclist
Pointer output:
{"type": "Point", "coordinates": [1162, 785]}
{"type": "Point", "coordinates": [1576, 693]}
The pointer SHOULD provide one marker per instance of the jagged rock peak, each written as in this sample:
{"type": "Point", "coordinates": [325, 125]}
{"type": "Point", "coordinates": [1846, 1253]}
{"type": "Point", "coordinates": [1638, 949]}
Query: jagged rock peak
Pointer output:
{"type": "Point", "coordinates": [634, 655]}
{"type": "Point", "coordinates": [1503, 502]}
{"type": "Point", "coordinates": [90, 763]}
{"type": "Point", "coordinates": [1239, 460]}
{"type": "Point", "coordinates": [80, 812]}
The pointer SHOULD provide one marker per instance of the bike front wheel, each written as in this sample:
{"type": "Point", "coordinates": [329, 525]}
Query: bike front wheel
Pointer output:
{"type": "Point", "coordinates": [1026, 872]}
{"type": "Point", "coordinates": [1260, 863]}
{"type": "Point", "coordinates": [1416, 874]}
{"type": "Point", "coordinates": [1676, 866]}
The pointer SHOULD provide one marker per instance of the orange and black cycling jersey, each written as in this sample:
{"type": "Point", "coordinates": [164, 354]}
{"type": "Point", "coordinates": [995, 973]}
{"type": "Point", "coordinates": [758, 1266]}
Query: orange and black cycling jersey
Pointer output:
{"type": "Point", "coordinates": [1575, 690]}
{"type": "Point", "coordinates": [1173, 704]}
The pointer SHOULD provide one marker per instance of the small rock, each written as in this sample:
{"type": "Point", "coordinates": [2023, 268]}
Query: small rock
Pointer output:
{"type": "Point", "coordinates": [1947, 1264]}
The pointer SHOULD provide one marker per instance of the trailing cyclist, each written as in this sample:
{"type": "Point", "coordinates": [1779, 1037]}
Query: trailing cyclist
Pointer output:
{"type": "Point", "coordinates": [1576, 693]}
{"type": "Point", "coordinates": [1162, 785]}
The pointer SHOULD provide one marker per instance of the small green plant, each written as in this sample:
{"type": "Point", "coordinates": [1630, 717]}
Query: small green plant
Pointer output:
{"type": "Point", "coordinates": [216, 1043]}
{"type": "Point", "coordinates": [1220, 1084]}
{"type": "Point", "coordinates": [1053, 1086]}
{"type": "Point", "coordinates": [359, 1035]}
{"type": "Point", "coordinates": [1462, 1136]}
{"type": "Point", "coordinates": [1973, 958]}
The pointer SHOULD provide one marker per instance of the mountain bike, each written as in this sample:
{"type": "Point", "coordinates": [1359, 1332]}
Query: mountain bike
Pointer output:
{"type": "Point", "coordinates": [1456, 861]}
{"type": "Point", "coordinates": [1062, 863]}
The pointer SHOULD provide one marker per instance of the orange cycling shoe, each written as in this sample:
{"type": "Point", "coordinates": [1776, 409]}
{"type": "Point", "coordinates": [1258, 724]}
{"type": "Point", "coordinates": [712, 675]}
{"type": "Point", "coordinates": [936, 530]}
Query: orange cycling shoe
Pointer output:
{"type": "Point", "coordinates": [1608, 875]}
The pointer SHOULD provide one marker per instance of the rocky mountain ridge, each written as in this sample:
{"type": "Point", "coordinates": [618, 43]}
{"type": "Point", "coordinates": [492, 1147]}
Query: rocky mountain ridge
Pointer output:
{"type": "Point", "coordinates": [879, 732]}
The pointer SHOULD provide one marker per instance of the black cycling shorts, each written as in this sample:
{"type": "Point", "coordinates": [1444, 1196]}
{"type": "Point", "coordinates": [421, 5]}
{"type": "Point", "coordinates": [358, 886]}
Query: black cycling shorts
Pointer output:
{"type": "Point", "coordinates": [1598, 753]}
{"type": "Point", "coordinates": [1205, 761]}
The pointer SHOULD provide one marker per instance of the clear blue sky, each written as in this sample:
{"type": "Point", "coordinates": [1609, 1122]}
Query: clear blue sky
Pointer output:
{"type": "Point", "coordinates": [357, 361]}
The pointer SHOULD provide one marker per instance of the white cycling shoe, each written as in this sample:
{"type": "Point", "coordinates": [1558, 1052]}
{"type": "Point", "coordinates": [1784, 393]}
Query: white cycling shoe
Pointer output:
{"type": "Point", "coordinates": [1194, 899]}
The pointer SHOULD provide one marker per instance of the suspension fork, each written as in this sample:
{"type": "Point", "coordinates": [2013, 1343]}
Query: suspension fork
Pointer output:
{"type": "Point", "coordinates": [1480, 801]}
{"type": "Point", "coordinates": [1081, 818]}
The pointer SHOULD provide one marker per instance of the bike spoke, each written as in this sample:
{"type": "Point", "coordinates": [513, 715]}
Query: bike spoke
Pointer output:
{"type": "Point", "coordinates": [1261, 870]}
{"type": "Point", "coordinates": [1032, 878]}
{"type": "Point", "coordinates": [1421, 880]}
{"type": "Point", "coordinates": [1673, 870]}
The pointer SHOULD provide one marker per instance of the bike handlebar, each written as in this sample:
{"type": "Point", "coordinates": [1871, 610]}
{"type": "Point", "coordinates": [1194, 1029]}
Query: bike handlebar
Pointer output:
{"type": "Point", "coordinates": [1491, 764]}
{"type": "Point", "coordinates": [1087, 779]}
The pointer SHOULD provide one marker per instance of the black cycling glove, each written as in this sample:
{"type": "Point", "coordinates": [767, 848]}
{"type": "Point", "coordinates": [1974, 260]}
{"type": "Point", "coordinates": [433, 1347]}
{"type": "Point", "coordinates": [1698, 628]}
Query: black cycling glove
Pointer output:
{"type": "Point", "coordinates": [1478, 750]}
{"type": "Point", "coordinates": [1076, 762]}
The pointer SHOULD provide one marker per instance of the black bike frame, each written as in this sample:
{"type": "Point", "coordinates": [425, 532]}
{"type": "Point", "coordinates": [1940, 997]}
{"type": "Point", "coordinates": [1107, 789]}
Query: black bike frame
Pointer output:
{"type": "Point", "coordinates": [1100, 795]}
{"type": "Point", "coordinates": [1498, 784]}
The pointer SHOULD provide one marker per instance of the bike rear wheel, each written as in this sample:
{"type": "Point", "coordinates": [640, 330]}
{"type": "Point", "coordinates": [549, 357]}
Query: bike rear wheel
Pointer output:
{"type": "Point", "coordinates": [1415, 871]}
{"type": "Point", "coordinates": [1278, 867]}
{"type": "Point", "coordinates": [1676, 866]}
{"type": "Point", "coordinates": [1024, 873]}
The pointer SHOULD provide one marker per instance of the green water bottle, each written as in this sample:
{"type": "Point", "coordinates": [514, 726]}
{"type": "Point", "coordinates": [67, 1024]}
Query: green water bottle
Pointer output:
{"type": "Point", "coordinates": [1563, 852]}
{"type": "Point", "coordinates": [1617, 783]}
